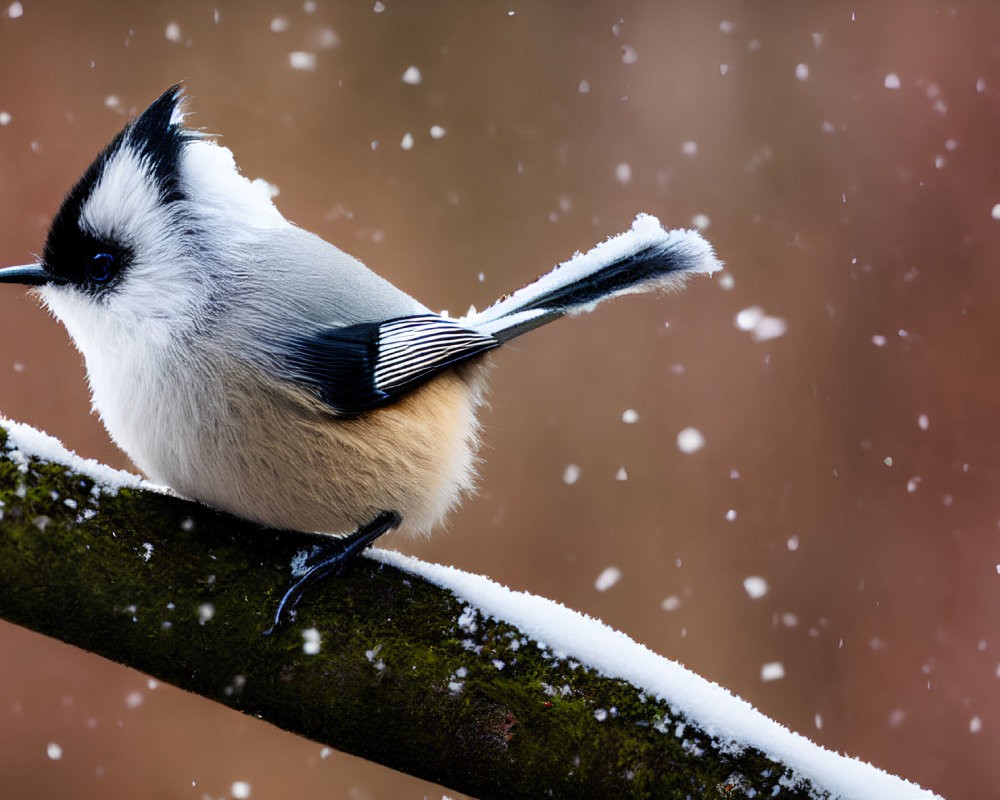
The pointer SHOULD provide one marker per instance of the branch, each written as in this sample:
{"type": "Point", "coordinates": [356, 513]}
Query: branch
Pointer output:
{"type": "Point", "coordinates": [425, 669]}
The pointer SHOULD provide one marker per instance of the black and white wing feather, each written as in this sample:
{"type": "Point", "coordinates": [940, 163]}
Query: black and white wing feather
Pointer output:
{"type": "Point", "coordinates": [412, 349]}
{"type": "Point", "coordinates": [362, 367]}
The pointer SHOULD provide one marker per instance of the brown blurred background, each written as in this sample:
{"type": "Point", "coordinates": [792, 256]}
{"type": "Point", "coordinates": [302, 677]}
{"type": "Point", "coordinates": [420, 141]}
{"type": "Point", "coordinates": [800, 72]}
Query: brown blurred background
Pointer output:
{"type": "Point", "coordinates": [844, 158]}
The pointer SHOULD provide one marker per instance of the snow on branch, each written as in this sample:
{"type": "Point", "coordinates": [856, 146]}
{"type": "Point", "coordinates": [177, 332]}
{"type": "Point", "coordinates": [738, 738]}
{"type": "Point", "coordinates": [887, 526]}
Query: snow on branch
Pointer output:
{"type": "Point", "coordinates": [423, 668]}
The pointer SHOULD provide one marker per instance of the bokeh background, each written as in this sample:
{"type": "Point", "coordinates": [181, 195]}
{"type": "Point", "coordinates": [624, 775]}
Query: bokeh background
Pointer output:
{"type": "Point", "coordinates": [842, 157]}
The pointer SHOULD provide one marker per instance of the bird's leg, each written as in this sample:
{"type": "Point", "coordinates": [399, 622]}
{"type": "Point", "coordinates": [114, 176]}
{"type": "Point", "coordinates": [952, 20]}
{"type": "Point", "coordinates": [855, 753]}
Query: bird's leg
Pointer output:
{"type": "Point", "coordinates": [336, 553]}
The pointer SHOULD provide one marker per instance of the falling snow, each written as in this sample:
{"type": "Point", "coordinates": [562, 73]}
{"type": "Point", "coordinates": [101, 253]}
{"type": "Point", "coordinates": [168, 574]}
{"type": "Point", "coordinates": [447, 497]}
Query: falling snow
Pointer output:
{"type": "Point", "coordinates": [608, 578]}
{"type": "Point", "coordinates": [240, 790]}
{"type": "Point", "coordinates": [324, 39]}
{"type": "Point", "coordinates": [755, 586]}
{"type": "Point", "coordinates": [302, 60]}
{"type": "Point", "coordinates": [762, 327]}
{"type": "Point", "coordinates": [690, 440]}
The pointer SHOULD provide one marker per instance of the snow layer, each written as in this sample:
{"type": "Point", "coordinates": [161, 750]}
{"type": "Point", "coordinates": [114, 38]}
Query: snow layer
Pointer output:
{"type": "Point", "coordinates": [24, 441]}
{"type": "Point", "coordinates": [570, 634]}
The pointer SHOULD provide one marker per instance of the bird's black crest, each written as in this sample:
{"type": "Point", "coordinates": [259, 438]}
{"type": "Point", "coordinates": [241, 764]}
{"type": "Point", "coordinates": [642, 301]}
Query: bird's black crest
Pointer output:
{"type": "Point", "coordinates": [158, 143]}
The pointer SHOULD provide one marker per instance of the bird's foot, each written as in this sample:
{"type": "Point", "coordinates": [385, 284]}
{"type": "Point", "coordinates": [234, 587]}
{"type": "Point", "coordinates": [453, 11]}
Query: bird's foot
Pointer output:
{"type": "Point", "coordinates": [336, 554]}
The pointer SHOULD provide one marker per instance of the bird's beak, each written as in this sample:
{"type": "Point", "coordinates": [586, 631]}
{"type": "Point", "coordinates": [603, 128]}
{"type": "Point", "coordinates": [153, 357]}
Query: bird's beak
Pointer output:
{"type": "Point", "coordinates": [29, 275]}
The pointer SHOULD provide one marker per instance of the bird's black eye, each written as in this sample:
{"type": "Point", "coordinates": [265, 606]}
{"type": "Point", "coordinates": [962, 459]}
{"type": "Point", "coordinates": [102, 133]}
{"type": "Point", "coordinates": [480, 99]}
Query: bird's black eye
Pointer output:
{"type": "Point", "coordinates": [101, 267]}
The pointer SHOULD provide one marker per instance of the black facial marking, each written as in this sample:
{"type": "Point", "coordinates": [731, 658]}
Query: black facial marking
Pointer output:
{"type": "Point", "coordinates": [70, 252]}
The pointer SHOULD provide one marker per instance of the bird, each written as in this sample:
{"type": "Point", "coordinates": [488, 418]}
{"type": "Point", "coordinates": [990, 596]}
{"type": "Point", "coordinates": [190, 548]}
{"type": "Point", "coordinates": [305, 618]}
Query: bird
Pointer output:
{"type": "Point", "coordinates": [250, 365]}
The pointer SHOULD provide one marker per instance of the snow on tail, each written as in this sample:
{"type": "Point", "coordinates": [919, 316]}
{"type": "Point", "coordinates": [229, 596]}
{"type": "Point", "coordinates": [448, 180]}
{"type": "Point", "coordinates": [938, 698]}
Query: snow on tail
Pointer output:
{"type": "Point", "coordinates": [642, 259]}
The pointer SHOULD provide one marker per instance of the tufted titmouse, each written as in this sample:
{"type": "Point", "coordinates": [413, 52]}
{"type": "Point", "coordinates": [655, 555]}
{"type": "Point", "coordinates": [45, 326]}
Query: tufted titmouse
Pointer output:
{"type": "Point", "coordinates": [250, 365]}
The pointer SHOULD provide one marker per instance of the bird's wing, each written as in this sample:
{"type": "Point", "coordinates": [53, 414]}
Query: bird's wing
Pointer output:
{"type": "Point", "coordinates": [361, 367]}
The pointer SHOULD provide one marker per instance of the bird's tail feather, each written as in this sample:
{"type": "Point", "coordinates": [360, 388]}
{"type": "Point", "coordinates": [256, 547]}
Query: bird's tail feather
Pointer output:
{"type": "Point", "coordinates": [642, 259]}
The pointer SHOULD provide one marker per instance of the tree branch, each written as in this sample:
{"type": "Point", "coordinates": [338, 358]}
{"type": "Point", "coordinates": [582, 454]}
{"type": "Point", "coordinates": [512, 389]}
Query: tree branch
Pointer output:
{"type": "Point", "coordinates": [381, 662]}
